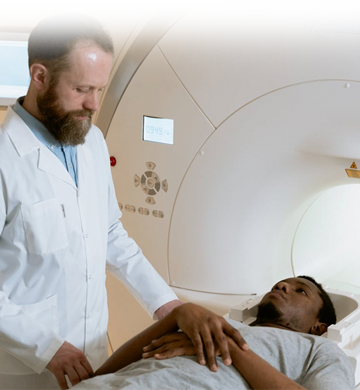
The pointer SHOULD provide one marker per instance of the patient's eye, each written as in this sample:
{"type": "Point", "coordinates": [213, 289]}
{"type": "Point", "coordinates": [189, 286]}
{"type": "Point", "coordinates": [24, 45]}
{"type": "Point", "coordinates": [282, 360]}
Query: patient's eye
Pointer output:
{"type": "Point", "coordinates": [302, 291]}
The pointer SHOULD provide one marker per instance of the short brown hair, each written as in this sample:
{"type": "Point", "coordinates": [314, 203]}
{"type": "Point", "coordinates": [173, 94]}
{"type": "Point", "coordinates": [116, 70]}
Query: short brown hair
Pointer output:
{"type": "Point", "coordinates": [52, 40]}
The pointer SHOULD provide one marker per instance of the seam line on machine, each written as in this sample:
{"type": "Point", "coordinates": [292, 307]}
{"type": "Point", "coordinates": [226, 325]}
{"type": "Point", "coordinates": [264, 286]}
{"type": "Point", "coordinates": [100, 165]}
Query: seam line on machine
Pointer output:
{"type": "Point", "coordinates": [188, 92]}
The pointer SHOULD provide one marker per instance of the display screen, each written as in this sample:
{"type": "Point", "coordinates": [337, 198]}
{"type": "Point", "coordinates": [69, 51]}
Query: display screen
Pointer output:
{"type": "Point", "coordinates": [160, 130]}
{"type": "Point", "coordinates": [14, 72]}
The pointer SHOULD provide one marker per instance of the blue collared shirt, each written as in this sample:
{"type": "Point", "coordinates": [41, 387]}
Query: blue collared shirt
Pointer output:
{"type": "Point", "coordinates": [67, 154]}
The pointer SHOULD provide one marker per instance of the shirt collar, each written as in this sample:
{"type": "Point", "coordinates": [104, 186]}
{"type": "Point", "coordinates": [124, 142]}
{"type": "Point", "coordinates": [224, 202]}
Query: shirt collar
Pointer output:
{"type": "Point", "coordinates": [38, 128]}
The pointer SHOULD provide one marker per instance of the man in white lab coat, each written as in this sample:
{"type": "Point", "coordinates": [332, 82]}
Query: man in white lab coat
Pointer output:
{"type": "Point", "coordinates": [59, 217]}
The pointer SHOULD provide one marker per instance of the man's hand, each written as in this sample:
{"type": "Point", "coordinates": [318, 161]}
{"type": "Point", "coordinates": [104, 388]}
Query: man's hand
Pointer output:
{"type": "Point", "coordinates": [72, 362]}
{"type": "Point", "coordinates": [207, 329]}
{"type": "Point", "coordinates": [163, 310]}
{"type": "Point", "coordinates": [170, 345]}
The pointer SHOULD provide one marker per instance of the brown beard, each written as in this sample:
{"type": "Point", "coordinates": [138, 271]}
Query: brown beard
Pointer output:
{"type": "Point", "coordinates": [60, 123]}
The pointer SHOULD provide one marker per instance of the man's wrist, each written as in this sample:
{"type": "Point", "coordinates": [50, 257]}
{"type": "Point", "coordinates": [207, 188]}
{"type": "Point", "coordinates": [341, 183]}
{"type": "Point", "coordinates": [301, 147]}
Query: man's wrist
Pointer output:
{"type": "Point", "coordinates": [167, 308]}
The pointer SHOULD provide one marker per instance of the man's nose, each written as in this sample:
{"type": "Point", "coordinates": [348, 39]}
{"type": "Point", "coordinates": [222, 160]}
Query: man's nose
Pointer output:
{"type": "Point", "coordinates": [92, 101]}
{"type": "Point", "coordinates": [283, 286]}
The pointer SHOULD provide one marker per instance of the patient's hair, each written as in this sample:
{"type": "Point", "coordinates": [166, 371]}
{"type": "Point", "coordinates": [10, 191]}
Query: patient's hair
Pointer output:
{"type": "Point", "coordinates": [327, 313]}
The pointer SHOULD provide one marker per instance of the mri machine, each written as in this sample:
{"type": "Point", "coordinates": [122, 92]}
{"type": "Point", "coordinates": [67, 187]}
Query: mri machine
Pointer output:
{"type": "Point", "coordinates": [235, 141]}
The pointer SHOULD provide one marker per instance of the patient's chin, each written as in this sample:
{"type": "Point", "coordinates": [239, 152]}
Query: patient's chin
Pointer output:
{"type": "Point", "coordinates": [268, 312]}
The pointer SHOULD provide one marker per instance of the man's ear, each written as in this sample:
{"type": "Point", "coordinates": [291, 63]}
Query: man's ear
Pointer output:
{"type": "Point", "coordinates": [318, 329]}
{"type": "Point", "coordinates": [39, 76]}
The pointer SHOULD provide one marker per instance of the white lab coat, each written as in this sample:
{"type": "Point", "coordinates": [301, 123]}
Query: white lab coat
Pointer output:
{"type": "Point", "coordinates": [55, 242]}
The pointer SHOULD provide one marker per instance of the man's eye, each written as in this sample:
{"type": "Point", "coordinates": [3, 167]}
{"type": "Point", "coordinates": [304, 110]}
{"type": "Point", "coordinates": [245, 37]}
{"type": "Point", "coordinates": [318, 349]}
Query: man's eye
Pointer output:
{"type": "Point", "coordinates": [82, 90]}
{"type": "Point", "coordinates": [302, 291]}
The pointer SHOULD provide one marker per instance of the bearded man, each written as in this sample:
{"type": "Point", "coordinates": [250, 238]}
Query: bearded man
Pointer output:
{"type": "Point", "coordinates": [59, 217]}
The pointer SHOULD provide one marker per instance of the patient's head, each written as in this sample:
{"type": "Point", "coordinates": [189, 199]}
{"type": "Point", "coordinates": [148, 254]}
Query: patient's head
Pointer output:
{"type": "Point", "coordinates": [298, 304]}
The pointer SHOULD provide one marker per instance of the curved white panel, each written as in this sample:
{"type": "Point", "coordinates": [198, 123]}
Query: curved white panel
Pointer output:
{"type": "Point", "coordinates": [230, 57]}
{"type": "Point", "coordinates": [153, 91]}
{"type": "Point", "coordinates": [241, 200]}
{"type": "Point", "coordinates": [137, 45]}
{"type": "Point", "coordinates": [326, 244]}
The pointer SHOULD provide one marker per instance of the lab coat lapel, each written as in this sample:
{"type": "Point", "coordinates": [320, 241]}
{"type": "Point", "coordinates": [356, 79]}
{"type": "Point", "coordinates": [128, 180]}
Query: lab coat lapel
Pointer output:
{"type": "Point", "coordinates": [50, 164]}
{"type": "Point", "coordinates": [25, 142]}
{"type": "Point", "coordinates": [85, 168]}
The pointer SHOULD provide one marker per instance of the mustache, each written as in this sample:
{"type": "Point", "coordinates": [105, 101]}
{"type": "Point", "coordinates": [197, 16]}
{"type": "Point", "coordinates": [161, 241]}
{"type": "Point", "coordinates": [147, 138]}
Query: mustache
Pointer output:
{"type": "Point", "coordinates": [88, 113]}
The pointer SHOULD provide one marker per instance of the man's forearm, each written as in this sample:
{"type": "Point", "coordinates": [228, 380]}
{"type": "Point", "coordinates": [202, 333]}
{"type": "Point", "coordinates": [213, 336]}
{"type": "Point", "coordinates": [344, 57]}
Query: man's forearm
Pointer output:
{"type": "Point", "coordinates": [259, 373]}
{"type": "Point", "coordinates": [132, 350]}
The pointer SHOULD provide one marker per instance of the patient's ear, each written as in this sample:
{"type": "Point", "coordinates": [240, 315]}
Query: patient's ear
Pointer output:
{"type": "Point", "coordinates": [318, 329]}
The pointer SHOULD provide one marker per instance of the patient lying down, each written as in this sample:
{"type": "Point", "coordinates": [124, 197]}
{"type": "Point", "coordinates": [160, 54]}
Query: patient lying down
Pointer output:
{"type": "Point", "coordinates": [283, 349]}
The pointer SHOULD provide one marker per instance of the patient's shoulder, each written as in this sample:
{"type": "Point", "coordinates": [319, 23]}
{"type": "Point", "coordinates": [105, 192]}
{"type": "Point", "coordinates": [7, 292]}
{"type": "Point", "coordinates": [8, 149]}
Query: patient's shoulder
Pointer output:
{"type": "Point", "coordinates": [237, 324]}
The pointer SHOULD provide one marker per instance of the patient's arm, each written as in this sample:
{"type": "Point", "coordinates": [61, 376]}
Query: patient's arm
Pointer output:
{"type": "Point", "coordinates": [258, 372]}
{"type": "Point", "coordinates": [248, 363]}
{"type": "Point", "coordinates": [200, 324]}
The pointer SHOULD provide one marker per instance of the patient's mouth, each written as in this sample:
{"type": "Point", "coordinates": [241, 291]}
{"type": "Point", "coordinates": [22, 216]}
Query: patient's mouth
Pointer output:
{"type": "Point", "coordinates": [277, 293]}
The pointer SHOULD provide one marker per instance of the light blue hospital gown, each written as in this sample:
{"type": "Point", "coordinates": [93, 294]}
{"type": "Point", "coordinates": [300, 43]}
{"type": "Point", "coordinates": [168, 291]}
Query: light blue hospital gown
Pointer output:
{"type": "Point", "coordinates": [312, 361]}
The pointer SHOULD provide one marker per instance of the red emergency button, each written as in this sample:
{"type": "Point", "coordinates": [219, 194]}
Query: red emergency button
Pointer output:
{"type": "Point", "coordinates": [112, 161]}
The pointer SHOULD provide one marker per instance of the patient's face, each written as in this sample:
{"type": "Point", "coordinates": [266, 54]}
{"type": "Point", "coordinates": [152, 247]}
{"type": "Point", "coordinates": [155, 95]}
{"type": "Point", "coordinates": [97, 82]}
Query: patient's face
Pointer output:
{"type": "Point", "coordinates": [293, 303]}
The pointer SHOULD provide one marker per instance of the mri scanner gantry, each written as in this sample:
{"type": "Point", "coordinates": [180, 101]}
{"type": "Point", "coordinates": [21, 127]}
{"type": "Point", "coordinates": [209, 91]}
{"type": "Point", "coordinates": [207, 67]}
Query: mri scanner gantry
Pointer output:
{"type": "Point", "coordinates": [266, 121]}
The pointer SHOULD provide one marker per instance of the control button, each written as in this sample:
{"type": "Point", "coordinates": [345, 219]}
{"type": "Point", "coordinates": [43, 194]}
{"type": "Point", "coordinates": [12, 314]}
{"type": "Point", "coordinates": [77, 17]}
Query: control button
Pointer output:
{"type": "Point", "coordinates": [164, 185]}
{"type": "Point", "coordinates": [143, 185]}
{"type": "Point", "coordinates": [150, 165]}
{"type": "Point", "coordinates": [127, 207]}
{"type": "Point", "coordinates": [155, 176]}
{"type": "Point", "coordinates": [150, 200]}
{"type": "Point", "coordinates": [155, 213]}
{"type": "Point", "coordinates": [161, 214]}
{"type": "Point", "coordinates": [145, 189]}
{"type": "Point", "coordinates": [132, 209]}
{"type": "Point", "coordinates": [146, 212]}
{"type": "Point", "coordinates": [112, 161]}
{"type": "Point", "coordinates": [120, 206]}
{"type": "Point", "coordinates": [136, 180]}
{"type": "Point", "coordinates": [150, 183]}
{"type": "Point", "coordinates": [151, 192]}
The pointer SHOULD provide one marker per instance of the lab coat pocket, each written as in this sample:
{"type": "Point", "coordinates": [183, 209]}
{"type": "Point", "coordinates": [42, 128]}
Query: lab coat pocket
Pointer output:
{"type": "Point", "coordinates": [44, 226]}
{"type": "Point", "coordinates": [45, 312]}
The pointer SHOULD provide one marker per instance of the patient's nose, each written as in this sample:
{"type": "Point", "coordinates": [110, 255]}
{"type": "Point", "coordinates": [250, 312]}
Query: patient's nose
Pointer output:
{"type": "Point", "coordinates": [282, 286]}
